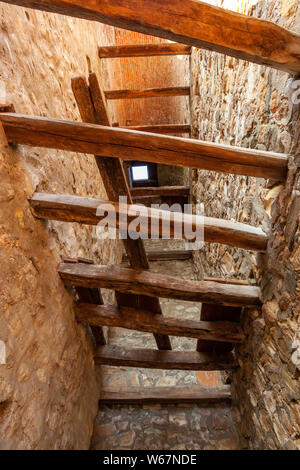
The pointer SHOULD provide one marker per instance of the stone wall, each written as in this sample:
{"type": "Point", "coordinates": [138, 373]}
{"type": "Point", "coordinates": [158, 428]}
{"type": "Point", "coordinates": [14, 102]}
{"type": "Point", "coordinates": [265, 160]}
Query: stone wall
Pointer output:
{"type": "Point", "coordinates": [244, 104]}
{"type": "Point", "coordinates": [48, 387]}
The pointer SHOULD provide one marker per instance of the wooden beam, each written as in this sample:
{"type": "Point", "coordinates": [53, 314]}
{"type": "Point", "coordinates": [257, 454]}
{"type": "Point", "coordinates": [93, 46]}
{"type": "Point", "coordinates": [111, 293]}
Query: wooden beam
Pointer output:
{"type": "Point", "coordinates": [154, 284]}
{"type": "Point", "coordinates": [147, 93]}
{"type": "Point", "coordinates": [168, 255]}
{"type": "Point", "coordinates": [142, 146]}
{"type": "Point", "coordinates": [135, 319]}
{"type": "Point", "coordinates": [160, 191]}
{"type": "Point", "coordinates": [153, 359]}
{"type": "Point", "coordinates": [88, 211]}
{"type": "Point", "coordinates": [190, 22]}
{"type": "Point", "coordinates": [215, 313]}
{"type": "Point", "coordinates": [91, 296]}
{"type": "Point", "coordinates": [143, 50]}
{"type": "Point", "coordinates": [193, 394]}
{"type": "Point", "coordinates": [93, 109]}
{"type": "Point", "coordinates": [162, 128]}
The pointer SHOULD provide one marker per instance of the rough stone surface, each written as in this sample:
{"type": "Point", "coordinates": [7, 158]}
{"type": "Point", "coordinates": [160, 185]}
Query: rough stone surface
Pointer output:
{"type": "Point", "coordinates": [244, 104]}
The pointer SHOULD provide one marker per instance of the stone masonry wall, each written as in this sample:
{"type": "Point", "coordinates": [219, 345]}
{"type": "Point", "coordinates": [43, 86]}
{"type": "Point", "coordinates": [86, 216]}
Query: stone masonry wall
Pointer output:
{"type": "Point", "coordinates": [248, 105]}
{"type": "Point", "coordinates": [48, 387]}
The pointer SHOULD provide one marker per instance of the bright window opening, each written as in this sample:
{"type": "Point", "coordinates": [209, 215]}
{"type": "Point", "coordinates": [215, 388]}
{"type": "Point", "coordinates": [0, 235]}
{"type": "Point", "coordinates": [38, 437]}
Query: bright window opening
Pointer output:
{"type": "Point", "coordinates": [140, 173]}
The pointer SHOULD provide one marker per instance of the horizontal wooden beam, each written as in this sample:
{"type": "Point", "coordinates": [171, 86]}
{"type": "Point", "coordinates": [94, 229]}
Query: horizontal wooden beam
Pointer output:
{"type": "Point", "coordinates": [167, 255]}
{"type": "Point", "coordinates": [134, 145]}
{"type": "Point", "coordinates": [88, 211]}
{"type": "Point", "coordinates": [136, 319]}
{"type": "Point", "coordinates": [162, 128]}
{"type": "Point", "coordinates": [160, 191]}
{"type": "Point", "coordinates": [143, 50]}
{"type": "Point", "coordinates": [190, 22]}
{"type": "Point", "coordinates": [153, 359]}
{"type": "Point", "coordinates": [150, 283]}
{"type": "Point", "coordinates": [193, 394]}
{"type": "Point", "coordinates": [147, 93]}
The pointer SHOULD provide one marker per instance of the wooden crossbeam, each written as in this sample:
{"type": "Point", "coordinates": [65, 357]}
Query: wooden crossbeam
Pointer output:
{"type": "Point", "coordinates": [167, 255]}
{"type": "Point", "coordinates": [134, 145]}
{"type": "Point", "coordinates": [213, 314]}
{"type": "Point", "coordinates": [92, 106]}
{"type": "Point", "coordinates": [153, 359]}
{"type": "Point", "coordinates": [190, 22]}
{"type": "Point", "coordinates": [135, 319]}
{"type": "Point", "coordinates": [193, 394]}
{"type": "Point", "coordinates": [162, 128]}
{"type": "Point", "coordinates": [160, 191]}
{"type": "Point", "coordinates": [88, 211]}
{"type": "Point", "coordinates": [143, 50]}
{"type": "Point", "coordinates": [147, 93]}
{"type": "Point", "coordinates": [151, 283]}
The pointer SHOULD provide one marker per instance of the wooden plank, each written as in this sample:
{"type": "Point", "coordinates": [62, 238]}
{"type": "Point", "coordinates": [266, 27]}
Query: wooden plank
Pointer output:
{"type": "Point", "coordinates": [147, 93]}
{"type": "Point", "coordinates": [223, 280]}
{"type": "Point", "coordinates": [153, 359]}
{"type": "Point", "coordinates": [193, 394]}
{"type": "Point", "coordinates": [143, 50]}
{"type": "Point", "coordinates": [162, 128]}
{"type": "Point", "coordinates": [190, 22]}
{"type": "Point", "coordinates": [168, 255]}
{"type": "Point", "coordinates": [92, 106]}
{"type": "Point", "coordinates": [160, 191]}
{"type": "Point", "coordinates": [142, 146]}
{"type": "Point", "coordinates": [214, 313]}
{"type": "Point", "coordinates": [91, 296]}
{"type": "Point", "coordinates": [88, 211]}
{"type": "Point", "coordinates": [154, 284]}
{"type": "Point", "coordinates": [135, 319]}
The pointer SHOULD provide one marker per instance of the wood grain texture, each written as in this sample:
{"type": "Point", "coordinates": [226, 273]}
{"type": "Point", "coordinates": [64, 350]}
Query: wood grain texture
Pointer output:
{"type": "Point", "coordinates": [160, 191]}
{"type": "Point", "coordinates": [157, 285]}
{"type": "Point", "coordinates": [134, 319]}
{"type": "Point", "coordinates": [189, 22]}
{"type": "Point", "coordinates": [147, 93]}
{"type": "Point", "coordinates": [215, 313]}
{"type": "Point", "coordinates": [143, 50]}
{"type": "Point", "coordinates": [92, 211]}
{"type": "Point", "coordinates": [153, 359]}
{"type": "Point", "coordinates": [93, 109]}
{"type": "Point", "coordinates": [172, 395]}
{"type": "Point", "coordinates": [162, 128]}
{"type": "Point", "coordinates": [142, 146]}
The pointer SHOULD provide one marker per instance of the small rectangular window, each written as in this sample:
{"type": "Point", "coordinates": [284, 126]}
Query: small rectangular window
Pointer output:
{"type": "Point", "coordinates": [140, 173]}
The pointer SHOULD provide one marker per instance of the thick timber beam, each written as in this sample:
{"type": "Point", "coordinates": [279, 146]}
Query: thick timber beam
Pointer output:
{"type": "Point", "coordinates": [151, 283]}
{"type": "Point", "coordinates": [147, 93]}
{"type": "Point", "coordinates": [153, 359]}
{"type": "Point", "coordinates": [172, 395]}
{"type": "Point", "coordinates": [151, 221]}
{"type": "Point", "coordinates": [162, 128]}
{"type": "Point", "coordinates": [143, 50]}
{"type": "Point", "coordinates": [179, 191]}
{"type": "Point", "coordinates": [189, 22]}
{"type": "Point", "coordinates": [134, 319]}
{"type": "Point", "coordinates": [134, 145]}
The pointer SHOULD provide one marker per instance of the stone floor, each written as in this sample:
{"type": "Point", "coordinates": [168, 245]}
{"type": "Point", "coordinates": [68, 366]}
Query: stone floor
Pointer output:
{"type": "Point", "coordinates": [162, 427]}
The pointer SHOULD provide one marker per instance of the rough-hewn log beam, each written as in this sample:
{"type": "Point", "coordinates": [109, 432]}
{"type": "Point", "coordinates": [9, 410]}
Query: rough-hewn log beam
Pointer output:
{"type": "Point", "coordinates": [134, 145]}
{"type": "Point", "coordinates": [190, 22]}
{"type": "Point", "coordinates": [93, 109]}
{"type": "Point", "coordinates": [153, 359]}
{"type": "Point", "coordinates": [147, 93]}
{"type": "Point", "coordinates": [172, 395]}
{"type": "Point", "coordinates": [153, 284]}
{"type": "Point", "coordinates": [162, 128]}
{"type": "Point", "coordinates": [88, 211]}
{"type": "Point", "coordinates": [134, 319]}
{"type": "Point", "coordinates": [160, 191]}
{"type": "Point", "coordinates": [143, 50]}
